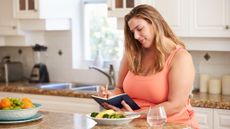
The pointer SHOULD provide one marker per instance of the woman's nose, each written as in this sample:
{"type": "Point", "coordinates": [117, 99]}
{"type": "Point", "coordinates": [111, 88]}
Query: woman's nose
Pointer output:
{"type": "Point", "coordinates": [136, 35]}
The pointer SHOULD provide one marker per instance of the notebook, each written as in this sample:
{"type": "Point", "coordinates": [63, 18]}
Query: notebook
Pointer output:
{"type": "Point", "coordinates": [116, 100]}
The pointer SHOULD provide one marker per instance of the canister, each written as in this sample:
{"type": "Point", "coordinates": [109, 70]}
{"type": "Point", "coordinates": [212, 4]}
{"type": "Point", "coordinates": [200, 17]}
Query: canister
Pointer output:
{"type": "Point", "coordinates": [226, 85]}
{"type": "Point", "coordinates": [204, 78]}
{"type": "Point", "coordinates": [214, 86]}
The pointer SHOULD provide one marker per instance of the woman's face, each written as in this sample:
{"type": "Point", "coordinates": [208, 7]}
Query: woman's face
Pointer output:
{"type": "Point", "coordinates": [142, 31]}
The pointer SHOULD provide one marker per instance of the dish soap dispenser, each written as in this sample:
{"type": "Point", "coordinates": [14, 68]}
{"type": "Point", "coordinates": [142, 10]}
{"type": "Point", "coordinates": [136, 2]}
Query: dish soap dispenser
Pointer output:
{"type": "Point", "coordinates": [99, 62]}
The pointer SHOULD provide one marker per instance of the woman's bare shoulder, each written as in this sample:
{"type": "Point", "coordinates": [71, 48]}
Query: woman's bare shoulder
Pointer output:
{"type": "Point", "coordinates": [182, 57]}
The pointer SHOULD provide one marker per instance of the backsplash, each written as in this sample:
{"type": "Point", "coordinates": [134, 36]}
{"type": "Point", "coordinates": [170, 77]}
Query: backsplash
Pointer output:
{"type": "Point", "coordinates": [60, 65]}
{"type": "Point", "coordinates": [217, 65]}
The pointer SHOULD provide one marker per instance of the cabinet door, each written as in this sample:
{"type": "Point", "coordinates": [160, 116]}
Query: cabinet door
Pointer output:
{"type": "Point", "coordinates": [175, 12]}
{"type": "Point", "coordinates": [119, 8]}
{"type": "Point", "coordinates": [210, 18]}
{"type": "Point", "coordinates": [43, 9]}
{"type": "Point", "coordinates": [221, 119]}
{"type": "Point", "coordinates": [204, 117]}
{"type": "Point", "coordinates": [8, 25]}
{"type": "Point", "coordinates": [26, 8]}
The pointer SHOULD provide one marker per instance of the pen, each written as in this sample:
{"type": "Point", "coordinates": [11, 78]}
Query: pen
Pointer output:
{"type": "Point", "coordinates": [106, 90]}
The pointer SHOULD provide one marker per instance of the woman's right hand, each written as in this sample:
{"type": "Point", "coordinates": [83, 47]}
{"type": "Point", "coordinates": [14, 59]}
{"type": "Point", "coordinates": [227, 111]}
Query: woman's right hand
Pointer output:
{"type": "Point", "coordinates": [103, 92]}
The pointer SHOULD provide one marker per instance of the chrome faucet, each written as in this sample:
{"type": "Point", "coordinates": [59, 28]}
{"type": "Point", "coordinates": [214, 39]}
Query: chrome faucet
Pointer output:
{"type": "Point", "coordinates": [110, 75]}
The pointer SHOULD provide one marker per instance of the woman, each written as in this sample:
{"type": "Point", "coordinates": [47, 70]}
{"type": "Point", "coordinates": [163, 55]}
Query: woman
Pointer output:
{"type": "Point", "coordinates": [155, 69]}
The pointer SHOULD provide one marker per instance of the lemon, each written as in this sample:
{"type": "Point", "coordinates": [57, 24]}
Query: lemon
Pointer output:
{"type": "Point", "coordinates": [110, 111]}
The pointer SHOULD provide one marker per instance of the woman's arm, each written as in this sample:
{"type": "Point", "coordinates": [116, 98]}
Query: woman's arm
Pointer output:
{"type": "Point", "coordinates": [181, 77]}
{"type": "Point", "coordinates": [121, 75]}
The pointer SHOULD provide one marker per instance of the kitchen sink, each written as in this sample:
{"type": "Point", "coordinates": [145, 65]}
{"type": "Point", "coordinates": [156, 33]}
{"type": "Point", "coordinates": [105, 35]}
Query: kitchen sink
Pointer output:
{"type": "Point", "coordinates": [70, 86]}
{"type": "Point", "coordinates": [88, 88]}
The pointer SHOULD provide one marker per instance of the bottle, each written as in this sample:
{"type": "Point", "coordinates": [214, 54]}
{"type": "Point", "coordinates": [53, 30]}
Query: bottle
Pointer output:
{"type": "Point", "coordinates": [99, 61]}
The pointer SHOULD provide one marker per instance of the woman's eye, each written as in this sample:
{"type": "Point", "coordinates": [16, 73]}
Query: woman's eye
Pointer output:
{"type": "Point", "coordinates": [139, 29]}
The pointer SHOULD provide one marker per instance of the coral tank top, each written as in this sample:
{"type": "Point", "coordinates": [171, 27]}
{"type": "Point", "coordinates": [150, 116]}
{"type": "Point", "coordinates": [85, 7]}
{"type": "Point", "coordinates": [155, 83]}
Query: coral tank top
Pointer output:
{"type": "Point", "coordinates": [153, 89]}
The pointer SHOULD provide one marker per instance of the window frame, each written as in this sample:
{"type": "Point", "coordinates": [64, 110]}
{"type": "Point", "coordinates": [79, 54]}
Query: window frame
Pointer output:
{"type": "Point", "coordinates": [78, 37]}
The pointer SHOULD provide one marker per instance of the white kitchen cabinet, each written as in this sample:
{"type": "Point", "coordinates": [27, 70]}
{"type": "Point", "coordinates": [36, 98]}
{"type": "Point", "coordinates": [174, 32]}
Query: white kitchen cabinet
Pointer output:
{"type": "Point", "coordinates": [42, 9]}
{"type": "Point", "coordinates": [59, 103]}
{"type": "Point", "coordinates": [175, 12]}
{"type": "Point", "coordinates": [209, 118]}
{"type": "Point", "coordinates": [189, 18]}
{"type": "Point", "coordinates": [8, 25]}
{"type": "Point", "coordinates": [210, 18]}
{"type": "Point", "coordinates": [119, 8]}
{"type": "Point", "coordinates": [221, 119]}
{"type": "Point", "coordinates": [51, 15]}
{"type": "Point", "coordinates": [204, 117]}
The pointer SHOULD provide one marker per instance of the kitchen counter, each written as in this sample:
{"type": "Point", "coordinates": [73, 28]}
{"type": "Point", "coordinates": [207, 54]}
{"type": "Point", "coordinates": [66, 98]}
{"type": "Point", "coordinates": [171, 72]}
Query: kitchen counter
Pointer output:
{"type": "Point", "coordinates": [53, 120]}
{"type": "Point", "coordinates": [198, 99]}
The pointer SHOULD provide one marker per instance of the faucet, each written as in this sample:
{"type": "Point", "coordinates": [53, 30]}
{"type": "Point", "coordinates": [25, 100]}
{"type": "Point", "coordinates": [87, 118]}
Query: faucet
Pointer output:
{"type": "Point", "coordinates": [110, 75]}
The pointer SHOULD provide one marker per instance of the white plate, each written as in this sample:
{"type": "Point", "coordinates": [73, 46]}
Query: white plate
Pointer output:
{"type": "Point", "coordinates": [116, 121]}
{"type": "Point", "coordinates": [33, 118]}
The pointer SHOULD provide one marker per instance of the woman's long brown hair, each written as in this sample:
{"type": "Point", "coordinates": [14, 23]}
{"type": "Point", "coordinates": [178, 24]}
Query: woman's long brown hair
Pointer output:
{"type": "Point", "coordinates": [133, 49]}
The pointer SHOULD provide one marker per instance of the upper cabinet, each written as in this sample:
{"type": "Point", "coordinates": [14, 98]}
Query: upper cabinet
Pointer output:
{"type": "Point", "coordinates": [8, 25]}
{"type": "Point", "coordinates": [187, 18]}
{"type": "Point", "coordinates": [210, 18]}
{"type": "Point", "coordinates": [35, 9]}
{"type": "Point", "coordinates": [118, 8]}
{"type": "Point", "coordinates": [175, 13]}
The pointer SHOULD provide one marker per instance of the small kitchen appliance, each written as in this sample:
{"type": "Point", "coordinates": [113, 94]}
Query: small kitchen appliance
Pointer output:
{"type": "Point", "coordinates": [10, 71]}
{"type": "Point", "coordinates": [39, 73]}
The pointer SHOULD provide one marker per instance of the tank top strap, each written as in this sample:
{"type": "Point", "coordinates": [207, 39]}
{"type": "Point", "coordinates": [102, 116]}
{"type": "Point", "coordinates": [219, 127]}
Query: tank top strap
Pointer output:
{"type": "Point", "coordinates": [172, 54]}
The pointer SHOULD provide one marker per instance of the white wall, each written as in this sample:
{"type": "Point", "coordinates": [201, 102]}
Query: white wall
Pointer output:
{"type": "Point", "coordinates": [59, 67]}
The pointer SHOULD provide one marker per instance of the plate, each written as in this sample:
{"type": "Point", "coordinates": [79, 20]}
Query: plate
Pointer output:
{"type": "Point", "coordinates": [118, 121]}
{"type": "Point", "coordinates": [33, 118]}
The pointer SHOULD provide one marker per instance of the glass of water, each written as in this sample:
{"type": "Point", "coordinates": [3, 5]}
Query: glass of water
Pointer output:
{"type": "Point", "coordinates": [156, 116]}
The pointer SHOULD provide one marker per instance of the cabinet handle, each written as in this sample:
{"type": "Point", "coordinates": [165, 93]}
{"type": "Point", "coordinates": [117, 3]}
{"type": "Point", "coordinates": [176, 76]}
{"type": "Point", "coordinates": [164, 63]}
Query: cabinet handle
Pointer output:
{"type": "Point", "coordinates": [227, 27]}
{"type": "Point", "coordinates": [35, 10]}
{"type": "Point", "coordinates": [14, 27]}
{"type": "Point", "coordinates": [109, 9]}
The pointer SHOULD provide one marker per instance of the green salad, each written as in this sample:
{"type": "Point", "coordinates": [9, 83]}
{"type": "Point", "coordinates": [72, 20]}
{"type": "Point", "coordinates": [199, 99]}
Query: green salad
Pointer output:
{"type": "Point", "coordinates": [107, 114]}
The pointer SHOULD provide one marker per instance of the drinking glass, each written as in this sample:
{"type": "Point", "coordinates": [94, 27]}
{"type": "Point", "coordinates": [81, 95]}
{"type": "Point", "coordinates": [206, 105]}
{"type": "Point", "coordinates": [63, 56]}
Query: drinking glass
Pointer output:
{"type": "Point", "coordinates": [156, 116]}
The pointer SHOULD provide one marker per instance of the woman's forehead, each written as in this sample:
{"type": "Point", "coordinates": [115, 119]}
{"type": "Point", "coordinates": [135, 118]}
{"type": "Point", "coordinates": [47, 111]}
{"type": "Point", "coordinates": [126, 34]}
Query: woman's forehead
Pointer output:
{"type": "Point", "coordinates": [135, 21]}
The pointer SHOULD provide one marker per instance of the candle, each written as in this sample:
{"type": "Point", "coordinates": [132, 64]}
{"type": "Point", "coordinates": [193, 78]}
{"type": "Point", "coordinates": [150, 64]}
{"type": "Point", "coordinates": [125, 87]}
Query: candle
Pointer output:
{"type": "Point", "coordinates": [226, 85]}
{"type": "Point", "coordinates": [204, 78]}
{"type": "Point", "coordinates": [214, 86]}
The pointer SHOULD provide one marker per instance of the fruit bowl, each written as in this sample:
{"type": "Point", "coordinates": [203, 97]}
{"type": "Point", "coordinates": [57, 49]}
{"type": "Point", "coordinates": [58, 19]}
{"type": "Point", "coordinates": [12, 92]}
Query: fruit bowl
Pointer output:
{"type": "Point", "coordinates": [20, 114]}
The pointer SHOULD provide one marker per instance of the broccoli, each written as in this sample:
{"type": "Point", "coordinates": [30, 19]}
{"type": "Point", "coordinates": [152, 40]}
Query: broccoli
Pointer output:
{"type": "Point", "coordinates": [105, 116]}
{"type": "Point", "coordinates": [94, 114]}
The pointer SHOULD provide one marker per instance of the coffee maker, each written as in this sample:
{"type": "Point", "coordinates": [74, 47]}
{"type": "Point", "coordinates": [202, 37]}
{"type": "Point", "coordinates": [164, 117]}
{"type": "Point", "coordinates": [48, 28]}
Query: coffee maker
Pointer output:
{"type": "Point", "coordinates": [39, 73]}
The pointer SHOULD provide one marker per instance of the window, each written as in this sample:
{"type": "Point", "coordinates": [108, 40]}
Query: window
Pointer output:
{"type": "Point", "coordinates": [100, 33]}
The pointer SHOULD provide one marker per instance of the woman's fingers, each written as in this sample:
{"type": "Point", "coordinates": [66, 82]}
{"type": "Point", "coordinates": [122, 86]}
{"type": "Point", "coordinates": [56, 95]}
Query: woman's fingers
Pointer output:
{"type": "Point", "coordinates": [126, 107]}
{"type": "Point", "coordinates": [108, 106]}
{"type": "Point", "coordinates": [103, 92]}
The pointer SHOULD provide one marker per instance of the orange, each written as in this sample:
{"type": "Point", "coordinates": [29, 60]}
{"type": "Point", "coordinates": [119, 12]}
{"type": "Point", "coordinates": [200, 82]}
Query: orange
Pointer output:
{"type": "Point", "coordinates": [5, 102]}
{"type": "Point", "coordinates": [27, 105]}
{"type": "Point", "coordinates": [26, 99]}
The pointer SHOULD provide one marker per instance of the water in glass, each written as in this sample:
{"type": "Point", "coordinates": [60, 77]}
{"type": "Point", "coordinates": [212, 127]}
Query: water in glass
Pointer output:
{"type": "Point", "coordinates": [156, 116]}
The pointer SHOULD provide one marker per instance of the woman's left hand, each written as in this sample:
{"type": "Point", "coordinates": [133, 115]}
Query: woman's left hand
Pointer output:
{"type": "Point", "coordinates": [126, 107]}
